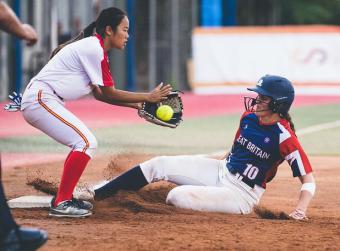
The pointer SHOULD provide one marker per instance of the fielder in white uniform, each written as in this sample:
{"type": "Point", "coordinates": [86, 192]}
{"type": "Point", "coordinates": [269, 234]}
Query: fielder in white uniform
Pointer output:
{"type": "Point", "coordinates": [79, 68]}
{"type": "Point", "coordinates": [235, 183]}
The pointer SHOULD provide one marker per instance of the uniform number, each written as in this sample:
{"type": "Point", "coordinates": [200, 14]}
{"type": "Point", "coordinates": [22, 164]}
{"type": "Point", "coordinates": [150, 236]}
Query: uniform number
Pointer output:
{"type": "Point", "coordinates": [251, 171]}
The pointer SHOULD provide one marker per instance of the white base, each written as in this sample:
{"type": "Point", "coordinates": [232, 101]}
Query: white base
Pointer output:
{"type": "Point", "coordinates": [31, 201]}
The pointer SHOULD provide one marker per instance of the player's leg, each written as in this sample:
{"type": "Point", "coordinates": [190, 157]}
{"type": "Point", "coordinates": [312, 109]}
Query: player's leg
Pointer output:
{"type": "Point", "coordinates": [181, 170]}
{"type": "Point", "coordinates": [133, 179]}
{"type": "Point", "coordinates": [55, 120]}
{"type": "Point", "coordinates": [211, 199]}
{"type": "Point", "coordinates": [6, 218]}
{"type": "Point", "coordinates": [12, 236]}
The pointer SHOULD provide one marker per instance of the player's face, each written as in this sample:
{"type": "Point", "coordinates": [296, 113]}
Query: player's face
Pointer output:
{"type": "Point", "coordinates": [121, 35]}
{"type": "Point", "coordinates": [262, 106]}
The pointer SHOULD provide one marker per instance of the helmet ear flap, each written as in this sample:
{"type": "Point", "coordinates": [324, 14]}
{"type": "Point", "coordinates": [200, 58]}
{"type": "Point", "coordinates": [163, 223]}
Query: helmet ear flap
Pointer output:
{"type": "Point", "coordinates": [277, 107]}
{"type": "Point", "coordinates": [273, 106]}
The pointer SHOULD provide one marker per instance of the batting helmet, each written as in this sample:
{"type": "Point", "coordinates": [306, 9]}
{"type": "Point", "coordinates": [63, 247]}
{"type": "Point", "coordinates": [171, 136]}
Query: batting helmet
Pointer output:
{"type": "Point", "coordinates": [279, 89]}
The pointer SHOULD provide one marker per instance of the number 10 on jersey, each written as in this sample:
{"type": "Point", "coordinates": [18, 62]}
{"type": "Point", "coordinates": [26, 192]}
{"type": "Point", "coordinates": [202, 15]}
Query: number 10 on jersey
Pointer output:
{"type": "Point", "coordinates": [251, 171]}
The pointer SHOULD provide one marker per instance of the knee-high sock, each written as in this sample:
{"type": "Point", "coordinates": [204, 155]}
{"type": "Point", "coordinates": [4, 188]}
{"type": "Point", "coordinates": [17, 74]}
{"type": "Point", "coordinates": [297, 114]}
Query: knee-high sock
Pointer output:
{"type": "Point", "coordinates": [7, 222]}
{"type": "Point", "coordinates": [73, 169]}
{"type": "Point", "coordinates": [133, 179]}
{"type": "Point", "coordinates": [68, 156]}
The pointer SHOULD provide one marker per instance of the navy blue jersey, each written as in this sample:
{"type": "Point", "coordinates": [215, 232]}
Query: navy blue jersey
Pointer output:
{"type": "Point", "coordinates": [258, 150]}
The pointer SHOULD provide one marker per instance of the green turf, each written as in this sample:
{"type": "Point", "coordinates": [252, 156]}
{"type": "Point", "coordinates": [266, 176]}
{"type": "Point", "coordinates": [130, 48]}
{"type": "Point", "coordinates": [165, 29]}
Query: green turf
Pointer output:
{"type": "Point", "coordinates": [202, 135]}
{"type": "Point", "coordinates": [326, 142]}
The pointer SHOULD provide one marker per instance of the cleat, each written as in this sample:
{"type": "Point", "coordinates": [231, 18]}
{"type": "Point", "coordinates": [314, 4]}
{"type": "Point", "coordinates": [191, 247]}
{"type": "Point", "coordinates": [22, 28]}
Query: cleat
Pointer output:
{"type": "Point", "coordinates": [86, 192]}
{"type": "Point", "coordinates": [83, 204]}
{"type": "Point", "coordinates": [83, 193]}
{"type": "Point", "coordinates": [69, 209]}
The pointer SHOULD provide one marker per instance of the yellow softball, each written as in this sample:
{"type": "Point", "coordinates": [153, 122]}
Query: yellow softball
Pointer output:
{"type": "Point", "coordinates": [164, 112]}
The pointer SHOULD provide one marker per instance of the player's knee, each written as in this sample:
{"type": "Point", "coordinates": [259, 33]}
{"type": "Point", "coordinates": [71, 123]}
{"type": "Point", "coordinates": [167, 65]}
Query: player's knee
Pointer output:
{"type": "Point", "coordinates": [154, 163]}
{"type": "Point", "coordinates": [93, 143]}
{"type": "Point", "coordinates": [88, 145]}
{"type": "Point", "coordinates": [177, 198]}
{"type": "Point", "coordinates": [158, 161]}
{"type": "Point", "coordinates": [153, 169]}
{"type": "Point", "coordinates": [92, 146]}
{"type": "Point", "coordinates": [171, 198]}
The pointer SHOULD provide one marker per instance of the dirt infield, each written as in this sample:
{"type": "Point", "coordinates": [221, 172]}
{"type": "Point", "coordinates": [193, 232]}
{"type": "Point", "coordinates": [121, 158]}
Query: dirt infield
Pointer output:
{"type": "Point", "coordinates": [142, 221]}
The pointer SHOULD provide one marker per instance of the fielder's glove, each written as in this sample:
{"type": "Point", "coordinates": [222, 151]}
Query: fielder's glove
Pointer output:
{"type": "Point", "coordinates": [174, 100]}
{"type": "Point", "coordinates": [15, 105]}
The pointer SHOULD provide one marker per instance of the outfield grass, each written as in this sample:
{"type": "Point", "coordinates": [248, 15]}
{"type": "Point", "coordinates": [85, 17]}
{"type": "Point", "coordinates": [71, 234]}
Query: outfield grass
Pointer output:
{"type": "Point", "coordinates": [204, 135]}
{"type": "Point", "coordinates": [326, 142]}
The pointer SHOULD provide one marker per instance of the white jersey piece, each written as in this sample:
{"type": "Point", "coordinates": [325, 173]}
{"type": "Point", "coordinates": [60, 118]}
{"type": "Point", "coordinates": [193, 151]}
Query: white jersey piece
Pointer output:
{"type": "Point", "coordinates": [71, 71]}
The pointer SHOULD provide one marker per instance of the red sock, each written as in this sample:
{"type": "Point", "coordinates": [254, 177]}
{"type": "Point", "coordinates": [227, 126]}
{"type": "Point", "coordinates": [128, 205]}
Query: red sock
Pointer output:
{"type": "Point", "coordinates": [73, 169]}
{"type": "Point", "coordinates": [68, 156]}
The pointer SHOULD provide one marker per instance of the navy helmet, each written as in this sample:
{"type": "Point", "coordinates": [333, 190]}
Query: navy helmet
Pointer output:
{"type": "Point", "coordinates": [279, 89]}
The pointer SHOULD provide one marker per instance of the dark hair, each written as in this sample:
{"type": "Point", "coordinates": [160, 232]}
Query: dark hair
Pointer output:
{"type": "Point", "coordinates": [108, 17]}
{"type": "Point", "coordinates": [287, 117]}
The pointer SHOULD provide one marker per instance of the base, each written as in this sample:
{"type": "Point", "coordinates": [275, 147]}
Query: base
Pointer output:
{"type": "Point", "coordinates": [30, 201]}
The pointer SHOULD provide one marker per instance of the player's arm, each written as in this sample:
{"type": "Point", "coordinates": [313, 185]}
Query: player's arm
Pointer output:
{"type": "Point", "coordinates": [10, 23]}
{"type": "Point", "coordinates": [224, 156]}
{"type": "Point", "coordinates": [306, 194]}
{"type": "Point", "coordinates": [292, 151]}
{"type": "Point", "coordinates": [110, 94]}
{"type": "Point", "coordinates": [98, 70]}
{"type": "Point", "coordinates": [97, 93]}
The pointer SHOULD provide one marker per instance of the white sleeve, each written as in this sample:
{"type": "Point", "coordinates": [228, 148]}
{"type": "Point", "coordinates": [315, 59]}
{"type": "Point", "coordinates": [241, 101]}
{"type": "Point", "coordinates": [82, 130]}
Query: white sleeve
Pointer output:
{"type": "Point", "coordinates": [96, 65]}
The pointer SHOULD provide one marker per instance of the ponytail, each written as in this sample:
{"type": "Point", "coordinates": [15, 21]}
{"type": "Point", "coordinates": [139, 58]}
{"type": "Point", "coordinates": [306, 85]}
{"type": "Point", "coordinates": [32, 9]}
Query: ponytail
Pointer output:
{"type": "Point", "coordinates": [108, 17]}
{"type": "Point", "coordinates": [88, 31]}
{"type": "Point", "coordinates": [289, 119]}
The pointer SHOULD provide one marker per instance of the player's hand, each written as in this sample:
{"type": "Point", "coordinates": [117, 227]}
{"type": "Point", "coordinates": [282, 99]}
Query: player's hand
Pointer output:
{"type": "Point", "coordinates": [31, 35]}
{"type": "Point", "coordinates": [159, 93]}
{"type": "Point", "coordinates": [298, 214]}
{"type": "Point", "coordinates": [139, 106]}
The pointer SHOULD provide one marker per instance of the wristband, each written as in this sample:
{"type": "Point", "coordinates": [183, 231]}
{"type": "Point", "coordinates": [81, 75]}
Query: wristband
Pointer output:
{"type": "Point", "coordinates": [310, 187]}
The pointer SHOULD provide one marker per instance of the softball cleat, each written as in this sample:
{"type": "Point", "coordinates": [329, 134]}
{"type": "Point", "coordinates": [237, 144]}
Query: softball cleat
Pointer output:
{"type": "Point", "coordinates": [69, 209]}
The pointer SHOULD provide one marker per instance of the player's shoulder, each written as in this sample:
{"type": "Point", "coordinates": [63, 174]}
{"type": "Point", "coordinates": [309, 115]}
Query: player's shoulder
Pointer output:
{"type": "Point", "coordinates": [89, 46]}
{"type": "Point", "coordinates": [249, 117]}
{"type": "Point", "coordinates": [286, 132]}
{"type": "Point", "coordinates": [285, 125]}
{"type": "Point", "coordinates": [248, 114]}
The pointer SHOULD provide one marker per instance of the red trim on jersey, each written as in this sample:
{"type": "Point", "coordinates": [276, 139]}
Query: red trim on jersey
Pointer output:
{"type": "Point", "coordinates": [106, 73]}
{"type": "Point", "coordinates": [292, 144]}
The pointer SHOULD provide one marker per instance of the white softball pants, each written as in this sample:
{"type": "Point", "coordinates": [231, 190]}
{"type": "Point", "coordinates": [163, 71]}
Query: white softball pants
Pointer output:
{"type": "Point", "coordinates": [44, 110]}
{"type": "Point", "coordinates": [204, 184]}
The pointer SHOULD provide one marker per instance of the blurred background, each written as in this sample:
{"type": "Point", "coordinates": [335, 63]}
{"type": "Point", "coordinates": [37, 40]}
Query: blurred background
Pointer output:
{"type": "Point", "coordinates": [162, 38]}
{"type": "Point", "coordinates": [211, 47]}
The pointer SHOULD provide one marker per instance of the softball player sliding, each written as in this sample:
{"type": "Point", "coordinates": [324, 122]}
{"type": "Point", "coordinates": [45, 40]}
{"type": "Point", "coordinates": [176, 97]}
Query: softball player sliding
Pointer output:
{"type": "Point", "coordinates": [235, 183]}
{"type": "Point", "coordinates": [75, 70]}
